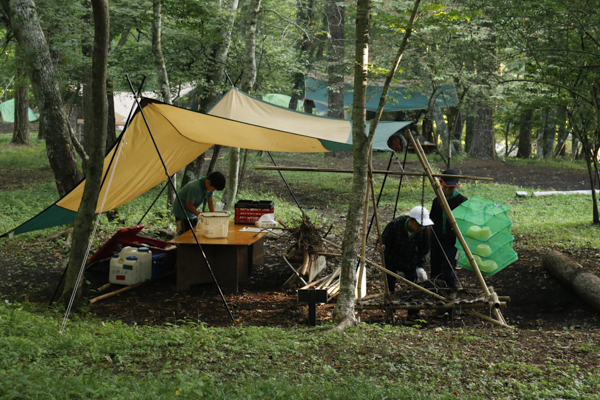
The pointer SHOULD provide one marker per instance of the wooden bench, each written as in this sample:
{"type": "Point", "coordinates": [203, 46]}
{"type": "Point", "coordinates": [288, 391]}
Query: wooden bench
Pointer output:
{"type": "Point", "coordinates": [231, 258]}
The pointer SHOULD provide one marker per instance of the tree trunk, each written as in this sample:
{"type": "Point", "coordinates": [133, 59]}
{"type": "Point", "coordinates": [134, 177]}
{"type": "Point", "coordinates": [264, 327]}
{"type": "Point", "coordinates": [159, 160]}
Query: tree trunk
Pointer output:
{"type": "Point", "coordinates": [248, 79]}
{"type": "Point", "coordinates": [217, 76]}
{"type": "Point", "coordinates": [230, 192]}
{"type": "Point", "coordinates": [336, 68]}
{"type": "Point", "coordinates": [193, 170]}
{"type": "Point", "coordinates": [540, 135]}
{"type": "Point", "coordinates": [483, 143]}
{"type": "Point", "coordinates": [111, 130]}
{"type": "Point", "coordinates": [550, 135]}
{"type": "Point", "coordinates": [573, 275]}
{"type": "Point", "coordinates": [217, 72]}
{"type": "Point", "coordinates": [163, 77]}
{"type": "Point", "coordinates": [427, 129]}
{"type": "Point", "coordinates": [304, 17]}
{"type": "Point", "coordinates": [470, 125]}
{"type": "Point", "coordinates": [456, 124]}
{"type": "Point", "coordinates": [344, 308]}
{"type": "Point", "coordinates": [21, 124]}
{"type": "Point", "coordinates": [442, 128]}
{"type": "Point", "coordinates": [546, 134]}
{"type": "Point", "coordinates": [87, 209]}
{"type": "Point", "coordinates": [524, 150]}
{"type": "Point", "coordinates": [53, 121]}
{"type": "Point", "coordinates": [563, 132]}
{"type": "Point", "coordinates": [213, 158]}
{"type": "Point", "coordinates": [159, 59]}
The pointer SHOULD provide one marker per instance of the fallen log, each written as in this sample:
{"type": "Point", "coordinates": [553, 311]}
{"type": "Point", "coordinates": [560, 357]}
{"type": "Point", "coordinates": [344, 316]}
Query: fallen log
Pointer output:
{"type": "Point", "coordinates": [572, 274]}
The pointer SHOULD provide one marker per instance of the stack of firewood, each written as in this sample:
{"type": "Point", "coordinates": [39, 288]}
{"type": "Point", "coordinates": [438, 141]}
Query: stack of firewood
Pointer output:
{"type": "Point", "coordinates": [308, 245]}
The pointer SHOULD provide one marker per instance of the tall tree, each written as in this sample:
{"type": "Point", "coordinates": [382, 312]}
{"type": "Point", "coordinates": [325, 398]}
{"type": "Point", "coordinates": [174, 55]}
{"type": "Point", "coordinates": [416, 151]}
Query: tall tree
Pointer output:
{"type": "Point", "coordinates": [336, 68]}
{"type": "Point", "coordinates": [248, 80]}
{"type": "Point", "coordinates": [525, 130]}
{"type": "Point", "coordinates": [344, 308]}
{"type": "Point", "coordinates": [215, 76]}
{"type": "Point", "coordinates": [53, 122]}
{"type": "Point", "coordinates": [562, 133]}
{"type": "Point", "coordinates": [362, 149]}
{"type": "Point", "coordinates": [82, 229]}
{"type": "Point", "coordinates": [21, 124]}
{"type": "Point", "coordinates": [306, 46]}
{"type": "Point", "coordinates": [163, 76]}
{"type": "Point", "coordinates": [483, 142]}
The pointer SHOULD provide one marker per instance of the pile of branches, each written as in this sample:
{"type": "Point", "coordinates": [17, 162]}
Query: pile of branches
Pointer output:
{"type": "Point", "coordinates": [308, 238]}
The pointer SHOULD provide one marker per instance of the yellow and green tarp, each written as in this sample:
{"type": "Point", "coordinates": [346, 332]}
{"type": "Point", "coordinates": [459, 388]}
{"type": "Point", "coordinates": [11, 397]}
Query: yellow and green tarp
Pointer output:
{"type": "Point", "coordinates": [133, 165]}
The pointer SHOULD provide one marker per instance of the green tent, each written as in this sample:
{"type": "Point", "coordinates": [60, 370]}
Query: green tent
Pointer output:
{"type": "Point", "coordinates": [7, 109]}
{"type": "Point", "coordinates": [400, 98]}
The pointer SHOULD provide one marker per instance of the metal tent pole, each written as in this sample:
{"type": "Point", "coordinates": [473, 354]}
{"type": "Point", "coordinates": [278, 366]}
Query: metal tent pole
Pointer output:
{"type": "Point", "coordinates": [286, 184]}
{"type": "Point", "coordinates": [181, 203]}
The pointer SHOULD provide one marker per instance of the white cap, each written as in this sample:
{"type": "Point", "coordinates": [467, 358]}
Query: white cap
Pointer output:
{"type": "Point", "coordinates": [421, 215]}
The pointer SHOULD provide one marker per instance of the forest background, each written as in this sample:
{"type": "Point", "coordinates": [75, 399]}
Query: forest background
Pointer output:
{"type": "Point", "coordinates": [527, 82]}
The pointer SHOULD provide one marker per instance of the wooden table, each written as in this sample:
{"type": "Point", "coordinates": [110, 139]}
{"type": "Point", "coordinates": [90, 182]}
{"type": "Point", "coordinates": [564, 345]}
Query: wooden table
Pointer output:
{"type": "Point", "coordinates": [231, 258]}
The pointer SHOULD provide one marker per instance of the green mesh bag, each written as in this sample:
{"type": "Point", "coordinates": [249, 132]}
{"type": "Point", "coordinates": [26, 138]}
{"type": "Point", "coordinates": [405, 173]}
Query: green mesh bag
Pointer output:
{"type": "Point", "coordinates": [485, 225]}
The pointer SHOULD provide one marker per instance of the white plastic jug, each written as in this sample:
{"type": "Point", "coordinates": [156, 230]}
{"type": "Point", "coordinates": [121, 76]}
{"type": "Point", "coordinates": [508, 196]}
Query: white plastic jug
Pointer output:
{"type": "Point", "coordinates": [128, 251]}
{"type": "Point", "coordinates": [144, 256]}
{"type": "Point", "coordinates": [124, 271]}
{"type": "Point", "coordinates": [116, 265]}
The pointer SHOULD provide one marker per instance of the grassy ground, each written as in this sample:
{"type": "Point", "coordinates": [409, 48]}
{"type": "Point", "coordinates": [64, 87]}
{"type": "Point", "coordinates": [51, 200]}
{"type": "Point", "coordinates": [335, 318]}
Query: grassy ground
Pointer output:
{"type": "Point", "coordinates": [96, 359]}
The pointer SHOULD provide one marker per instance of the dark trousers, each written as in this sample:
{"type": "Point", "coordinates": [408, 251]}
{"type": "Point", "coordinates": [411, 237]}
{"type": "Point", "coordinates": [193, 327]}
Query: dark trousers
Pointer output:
{"type": "Point", "coordinates": [183, 226]}
{"type": "Point", "coordinates": [410, 274]}
{"type": "Point", "coordinates": [444, 266]}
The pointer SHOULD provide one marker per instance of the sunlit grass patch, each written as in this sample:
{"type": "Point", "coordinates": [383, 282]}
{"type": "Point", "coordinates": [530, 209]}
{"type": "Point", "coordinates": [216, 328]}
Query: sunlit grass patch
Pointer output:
{"type": "Point", "coordinates": [29, 157]}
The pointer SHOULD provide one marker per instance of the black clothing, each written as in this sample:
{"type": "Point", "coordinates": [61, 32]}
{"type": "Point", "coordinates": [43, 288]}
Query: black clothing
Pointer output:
{"type": "Point", "coordinates": [404, 251]}
{"type": "Point", "coordinates": [443, 258]}
{"type": "Point", "coordinates": [442, 228]}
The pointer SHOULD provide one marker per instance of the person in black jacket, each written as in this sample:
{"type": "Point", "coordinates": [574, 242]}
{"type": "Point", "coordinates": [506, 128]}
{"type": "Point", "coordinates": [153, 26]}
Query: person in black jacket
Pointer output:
{"type": "Point", "coordinates": [443, 238]}
{"type": "Point", "coordinates": [405, 245]}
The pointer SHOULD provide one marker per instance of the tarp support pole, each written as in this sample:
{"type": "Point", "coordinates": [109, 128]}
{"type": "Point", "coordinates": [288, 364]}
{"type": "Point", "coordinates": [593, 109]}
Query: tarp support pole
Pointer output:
{"type": "Point", "coordinates": [400, 183]}
{"type": "Point", "coordinates": [154, 202]}
{"type": "Point", "coordinates": [180, 202]}
{"type": "Point", "coordinates": [286, 184]}
{"type": "Point", "coordinates": [380, 192]}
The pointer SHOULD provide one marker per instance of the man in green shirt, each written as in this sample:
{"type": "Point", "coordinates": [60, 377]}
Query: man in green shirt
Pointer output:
{"type": "Point", "coordinates": [194, 196]}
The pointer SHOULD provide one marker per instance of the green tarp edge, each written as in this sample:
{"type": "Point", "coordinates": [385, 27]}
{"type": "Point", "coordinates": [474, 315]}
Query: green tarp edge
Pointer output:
{"type": "Point", "coordinates": [49, 218]}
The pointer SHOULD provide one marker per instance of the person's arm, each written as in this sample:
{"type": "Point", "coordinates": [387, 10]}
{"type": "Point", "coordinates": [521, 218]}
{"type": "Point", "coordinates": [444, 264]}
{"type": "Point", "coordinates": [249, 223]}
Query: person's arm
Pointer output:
{"type": "Point", "coordinates": [423, 249]}
{"type": "Point", "coordinates": [190, 206]}
{"type": "Point", "coordinates": [211, 203]}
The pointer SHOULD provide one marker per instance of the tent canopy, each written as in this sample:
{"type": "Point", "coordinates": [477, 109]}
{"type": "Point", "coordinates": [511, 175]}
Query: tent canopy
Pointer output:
{"type": "Point", "coordinates": [7, 109]}
{"type": "Point", "coordinates": [133, 166]}
{"type": "Point", "coordinates": [400, 98]}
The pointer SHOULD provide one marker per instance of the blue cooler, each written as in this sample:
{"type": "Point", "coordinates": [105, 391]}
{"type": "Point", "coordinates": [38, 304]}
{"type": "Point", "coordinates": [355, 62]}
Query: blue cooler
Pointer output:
{"type": "Point", "coordinates": [159, 265]}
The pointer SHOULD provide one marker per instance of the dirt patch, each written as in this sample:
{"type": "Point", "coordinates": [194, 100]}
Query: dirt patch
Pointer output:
{"type": "Point", "coordinates": [537, 300]}
{"type": "Point", "coordinates": [526, 175]}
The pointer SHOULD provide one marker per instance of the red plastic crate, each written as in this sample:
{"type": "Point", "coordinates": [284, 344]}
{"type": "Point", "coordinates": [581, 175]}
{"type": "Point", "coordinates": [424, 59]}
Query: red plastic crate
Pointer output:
{"type": "Point", "coordinates": [249, 211]}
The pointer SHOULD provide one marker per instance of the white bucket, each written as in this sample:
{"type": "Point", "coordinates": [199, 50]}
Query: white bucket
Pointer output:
{"type": "Point", "coordinates": [144, 255]}
{"type": "Point", "coordinates": [214, 224]}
